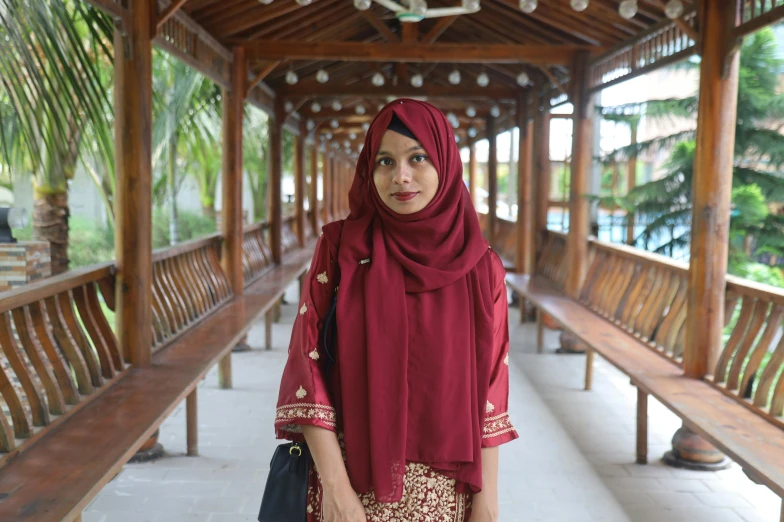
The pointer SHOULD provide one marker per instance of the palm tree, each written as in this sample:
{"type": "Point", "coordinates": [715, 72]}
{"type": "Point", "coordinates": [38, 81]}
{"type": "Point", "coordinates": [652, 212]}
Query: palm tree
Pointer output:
{"type": "Point", "coordinates": [55, 79]}
{"type": "Point", "coordinates": [664, 205]}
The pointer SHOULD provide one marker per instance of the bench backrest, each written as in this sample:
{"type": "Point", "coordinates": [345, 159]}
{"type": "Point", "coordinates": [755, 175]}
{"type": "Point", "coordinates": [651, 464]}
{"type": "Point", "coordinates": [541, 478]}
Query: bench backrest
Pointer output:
{"type": "Point", "coordinates": [188, 284]}
{"type": "Point", "coordinates": [256, 254]}
{"type": "Point", "coordinates": [551, 261]}
{"type": "Point", "coordinates": [57, 349]}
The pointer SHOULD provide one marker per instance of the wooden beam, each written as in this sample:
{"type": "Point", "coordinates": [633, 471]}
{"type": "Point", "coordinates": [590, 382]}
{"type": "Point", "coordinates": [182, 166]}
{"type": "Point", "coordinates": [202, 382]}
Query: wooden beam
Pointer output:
{"type": "Point", "coordinates": [326, 176]}
{"type": "Point", "coordinates": [380, 26]}
{"type": "Point", "coordinates": [276, 174]}
{"type": "Point", "coordinates": [525, 211]}
{"type": "Point", "coordinates": [492, 178]}
{"type": "Point", "coordinates": [261, 75]}
{"type": "Point", "coordinates": [579, 215]}
{"type": "Point", "coordinates": [231, 184]}
{"type": "Point", "coordinates": [553, 80]}
{"type": "Point", "coordinates": [370, 91]}
{"type": "Point", "coordinates": [168, 13]}
{"type": "Point", "coordinates": [437, 30]}
{"type": "Point", "coordinates": [115, 10]}
{"type": "Point", "coordinates": [713, 161]}
{"type": "Point", "coordinates": [133, 204]}
{"type": "Point", "coordinates": [414, 52]}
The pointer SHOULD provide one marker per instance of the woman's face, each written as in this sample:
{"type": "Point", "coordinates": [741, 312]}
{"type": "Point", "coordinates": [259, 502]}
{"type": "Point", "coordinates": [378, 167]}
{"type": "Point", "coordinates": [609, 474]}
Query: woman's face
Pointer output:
{"type": "Point", "coordinates": [404, 176]}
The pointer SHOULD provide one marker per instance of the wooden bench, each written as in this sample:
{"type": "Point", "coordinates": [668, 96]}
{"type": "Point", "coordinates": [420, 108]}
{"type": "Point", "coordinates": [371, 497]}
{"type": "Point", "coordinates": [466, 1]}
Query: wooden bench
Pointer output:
{"type": "Point", "coordinates": [632, 312]}
{"type": "Point", "coordinates": [76, 412]}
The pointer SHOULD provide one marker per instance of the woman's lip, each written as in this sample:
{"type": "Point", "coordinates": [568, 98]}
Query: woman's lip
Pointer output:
{"type": "Point", "coordinates": [404, 196]}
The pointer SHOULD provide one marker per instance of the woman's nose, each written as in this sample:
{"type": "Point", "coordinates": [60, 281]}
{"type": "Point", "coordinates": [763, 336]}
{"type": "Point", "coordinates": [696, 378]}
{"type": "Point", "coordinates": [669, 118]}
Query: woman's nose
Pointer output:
{"type": "Point", "coordinates": [403, 174]}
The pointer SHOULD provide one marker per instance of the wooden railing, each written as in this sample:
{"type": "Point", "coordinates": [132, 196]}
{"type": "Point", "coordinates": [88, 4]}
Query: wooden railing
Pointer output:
{"type": "Point", "coordinates": [551, 262]}
{"type": "Point", "coordinates": [505, 238]}
{"type": "Point", "coordinates": [643, 293]}
{"type": "Point", "coordinates": [256, 254]}
{"type": "Point", "coordinates": [756, 14]}
{"type": "Point", "coordinates": [750, 365]}
{"type": "Point", "coordinates": [188, 284]}
{"type": "Point", "coordinates": [57, 351]}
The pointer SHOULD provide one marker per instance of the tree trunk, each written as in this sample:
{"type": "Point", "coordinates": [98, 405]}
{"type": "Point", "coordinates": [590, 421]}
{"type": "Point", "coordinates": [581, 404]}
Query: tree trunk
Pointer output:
{"type": "Point", "coordinates": [208, 211]}
{"type": "Point", "coordinates": [50, 223]}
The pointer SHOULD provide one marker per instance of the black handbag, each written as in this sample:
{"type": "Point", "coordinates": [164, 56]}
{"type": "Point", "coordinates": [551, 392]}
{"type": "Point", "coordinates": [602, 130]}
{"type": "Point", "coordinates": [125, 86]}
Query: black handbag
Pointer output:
{"type": "Point", "coordinates": [286, 493]}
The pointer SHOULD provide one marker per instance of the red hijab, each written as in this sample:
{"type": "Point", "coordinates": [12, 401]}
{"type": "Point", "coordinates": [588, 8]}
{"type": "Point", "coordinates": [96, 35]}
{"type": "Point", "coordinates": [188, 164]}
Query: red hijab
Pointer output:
{"type": "Point", "coordinates": [415, 323]}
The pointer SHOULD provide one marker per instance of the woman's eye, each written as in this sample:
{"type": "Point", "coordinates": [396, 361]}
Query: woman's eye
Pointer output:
{"type": "Point", "coordinates": [419, 158]}
{"type": "Point", "coordinates": [384, 162]}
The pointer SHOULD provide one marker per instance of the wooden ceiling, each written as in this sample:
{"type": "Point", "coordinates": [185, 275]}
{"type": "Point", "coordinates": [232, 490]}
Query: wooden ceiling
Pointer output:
{"type": "Point", "coordinates": [352, 45]}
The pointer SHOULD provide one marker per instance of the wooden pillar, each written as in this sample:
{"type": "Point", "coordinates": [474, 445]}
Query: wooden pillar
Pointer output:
{"type": "Point", "coordinates": [299, 183]}
{"type": "Point", "coordinates": [231, 184]}
{"type": "Point", "coordinates": [133, 203]}
{"type": "Point", "coordinates": [631, 180]}
{"type": "Point", "coordinates": [333, 193]}
{"type": "Point", "coordinates": [525, 212]}
{"type": "Point", "coordinates": [543, 175]}
{"type": "Point", "coordinates": [472, 172]}
{"type": "Point", "coordinates": [325, 184]}
{"type": "Point", "coordinates": [579, 210]}
{"type": "Point", "coordinates": [492, 179]}
{"type": "Point", "coordinates": [276, 174]}
{"type": "Point", "coordinates": [192, 422]}
{"type": "Point", "coordinates": [313, 198]}
{"type": "Point", "coordinates": [713, 157]}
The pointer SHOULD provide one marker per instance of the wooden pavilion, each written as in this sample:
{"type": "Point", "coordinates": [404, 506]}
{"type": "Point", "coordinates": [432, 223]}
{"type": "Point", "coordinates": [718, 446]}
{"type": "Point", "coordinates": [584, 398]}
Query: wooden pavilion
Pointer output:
{"type": "Point", "coordinates": [85, 398]}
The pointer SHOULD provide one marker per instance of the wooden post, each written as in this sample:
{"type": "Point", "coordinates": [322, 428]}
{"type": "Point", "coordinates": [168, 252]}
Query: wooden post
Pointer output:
{"type": "Point", "coordinates": [492, 179]}
{"type": "Point", "coordinates": [325, 184]}
{"type": "Point", "coordinates": [525, 214]}
{"type": "Point", "coordinates": [579, 215]}
{"type": "Point", "coordinates": [313, 198]}
{"type": "Point", "coordinates": [276, 174]}
{"type": "Point", "coordinates": [631, 181]}
{"type": "Point", "coordinates": [231, 184]}
{"type": "Point", "coordinates": [133, 204]}
{"type": "Point", "coordinates": [713, 162]}
{"type": "Point", "coordinates": [472, 172]}
{"type": "Point", "coordinates": [192, 422]}
{"type": "Point", "coordinates": [642, 427]}
{"type": "Point", "coordinates": [711, 192]}
{"type": "Point", "coordinates": [543, 175]}
{"type": "Point", "coordinates": [299, 183]}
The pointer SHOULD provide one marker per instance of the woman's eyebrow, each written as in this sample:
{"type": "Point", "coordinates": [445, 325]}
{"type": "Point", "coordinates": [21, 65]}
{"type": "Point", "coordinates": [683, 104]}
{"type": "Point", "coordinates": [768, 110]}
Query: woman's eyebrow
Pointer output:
{"type": "Point", "coordinates": [385, 153]}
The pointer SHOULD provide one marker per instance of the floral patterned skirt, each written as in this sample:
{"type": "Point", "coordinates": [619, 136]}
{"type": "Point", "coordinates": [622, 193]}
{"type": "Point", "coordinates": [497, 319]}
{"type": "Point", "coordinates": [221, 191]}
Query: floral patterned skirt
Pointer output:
{"type": "Point", "coordinates": [428, 496]}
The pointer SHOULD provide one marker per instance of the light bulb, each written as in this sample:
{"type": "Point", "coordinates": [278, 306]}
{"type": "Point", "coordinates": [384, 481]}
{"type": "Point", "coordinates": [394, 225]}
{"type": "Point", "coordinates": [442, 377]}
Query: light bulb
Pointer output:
{"type": "Point", "coordinates": [315, 107]}
{"type": "Point", "coordinates": [322, 76]}
{"type": "Point", "coordinates": [495, 111]}
{"type": "Point", "coordinates": [347, 144]}
{"type": "Point", "coordinates": [378, 79]}
{"type": "Point", "coordinates": [470, 111]}
{"type": "Point", "coordinates": [334, 124]}
{"type": "Point", "coordinates": [471, 5]}
{"type": "Point", "coordinates": [288, 106]}
{"type": "Point", "coordinates": [523, 79]}
{"type": "Point", "coordinates": [528, 6]}
{"type": "Point", "coordinates": [328, 135]}
{"type": "Point", "coordinates": [352, 136]}
{"type": "Point", "coordinates": [457, 138]}
{"type": "Point", "coordinates": [336, 105]}
{"type": "Point", "coordinates": [365, 126]}
{"type": "Point", "coordinates": [418, 7]}
{"type": "Point", "coordinates": [362, 5]}
{"type": "Point", "coordinates": [311, 124]}
{"type": "Point", "coordinates": [417, 80]}
{"type": "Point", "coordinates": [628, 8]}
{"type": "Point", "coordinates": [359, 109]}
{"type": "Point", "coordinates": [579, 5]}
{"type": "Point", "coordinates": [291, 78]}
{"type": "Point", "coordinates": [471, 132]}
{"type": "Point", "coordinates": [454, 77]}
{"type": "Point", "coordinates": [482, 80]}
{"type": "Point", "coordinates": [265, 2]}
{"type": "Point", "coordinates": [674, 9]}
{"type": "Point", "coordinates": [303, 3]}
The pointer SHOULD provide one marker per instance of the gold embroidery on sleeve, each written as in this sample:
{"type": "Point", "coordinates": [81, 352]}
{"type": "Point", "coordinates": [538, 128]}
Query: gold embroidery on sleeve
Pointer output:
{"type": "Point", "coordinates": [322, 278]}
{"type": "Point", "coordinates": [314, 355]}
{"type": "Point", "coordinates": [301, 393]}
{"type": "Point", "coordinates": [498, 425]}
{"type": "Point", "coordinates": [303, 309]}
{"type": "Point", "coordinates": [489, 407]}
{"type": "Point", "coordinates": [291, 413]}
{"type": "Point", "coordinates": [506, 360]}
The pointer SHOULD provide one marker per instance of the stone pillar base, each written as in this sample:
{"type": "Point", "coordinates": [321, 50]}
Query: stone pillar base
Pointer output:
{"type": "Point", "coordinates": [691, 451]}
{"type": "Point", "coordinates": [150, 450]}
{"type": "Point", "coordinates": [571, 344]}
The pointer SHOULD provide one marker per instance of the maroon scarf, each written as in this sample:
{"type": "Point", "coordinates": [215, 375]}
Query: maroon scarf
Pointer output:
{"type": "Point", "coordinates": [417, 319]}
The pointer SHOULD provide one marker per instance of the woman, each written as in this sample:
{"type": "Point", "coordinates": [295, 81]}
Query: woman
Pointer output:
{"type": "Point", "coordinates": [405, 426]}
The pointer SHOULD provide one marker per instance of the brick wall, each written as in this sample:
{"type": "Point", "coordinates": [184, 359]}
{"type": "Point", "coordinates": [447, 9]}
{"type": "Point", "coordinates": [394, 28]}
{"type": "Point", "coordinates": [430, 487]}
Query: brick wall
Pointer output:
{"type": "Point", "coordinates": [23, 263]}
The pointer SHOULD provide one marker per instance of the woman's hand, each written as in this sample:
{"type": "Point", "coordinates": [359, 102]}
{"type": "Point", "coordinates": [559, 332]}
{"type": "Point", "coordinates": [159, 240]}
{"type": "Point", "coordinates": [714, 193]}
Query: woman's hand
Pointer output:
{"type": "Point", "coordinates": [484, 508]}
{"type": "Point", "coordinates": [341, 504]}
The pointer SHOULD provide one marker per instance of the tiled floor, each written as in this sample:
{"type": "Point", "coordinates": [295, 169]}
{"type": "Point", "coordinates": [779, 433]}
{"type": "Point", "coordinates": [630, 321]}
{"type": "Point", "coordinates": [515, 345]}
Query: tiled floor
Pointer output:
{"type": "Point", "coordinates": [574, 460]}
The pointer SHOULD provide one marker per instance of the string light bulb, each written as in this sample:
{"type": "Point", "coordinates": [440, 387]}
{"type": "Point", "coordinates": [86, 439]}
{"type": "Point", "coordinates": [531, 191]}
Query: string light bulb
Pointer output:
{"type": "Point", "coordinates": [528, 6]}
{"type": "Point", "coordinates": [674, 9]}
{"type": "Point", "coordinates": [417, 80]}
{"type": "Point", "coordinates": [523, 79]}
{"type": "Point", "coordinates": [322, 76]}
{"type": "Point", "coordinates": [483, 80]}
{"type": "Point", "coordinates": [362, 5]}
{"type": "Point", "coordinates": [471, 132]}
{"type": "Point", "coordinates": [337, 106]}
{"type": "Point", "coordinates": [378, 79]}
{"type": "Point", "coordinates": [470, 111]}
{"type": "Point", "coordinates": [291, 77]}
{"type": "Point", "coordinates": [454, 77]}
{"type": "Point", "coordinates": [303, 3]}
{"type": "Point", "coordinates": [495, 111]}
{"type": "Point", "coordinates": [311, 124]}
{"type": "Point", "coordinates": [418, 7]}
{"type": "Point", "coordinates": [471, 5]}
{"type": "Point", "coordinates": [628, 9]}
{"type": "Point", "coordinates": [579, 5]}
{"type": "Point", "coordinates": [334, 123]}
{"type": "Point", "coordinates": [315, 107]}
{"type": "Point", "coordinates": [288, 106]}
{"type": "Point", "coordinates": [360, 109]}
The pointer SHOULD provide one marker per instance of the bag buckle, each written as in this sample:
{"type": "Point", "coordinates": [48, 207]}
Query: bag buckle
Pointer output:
{"type": "Point", "coordinates": [295, 447]}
